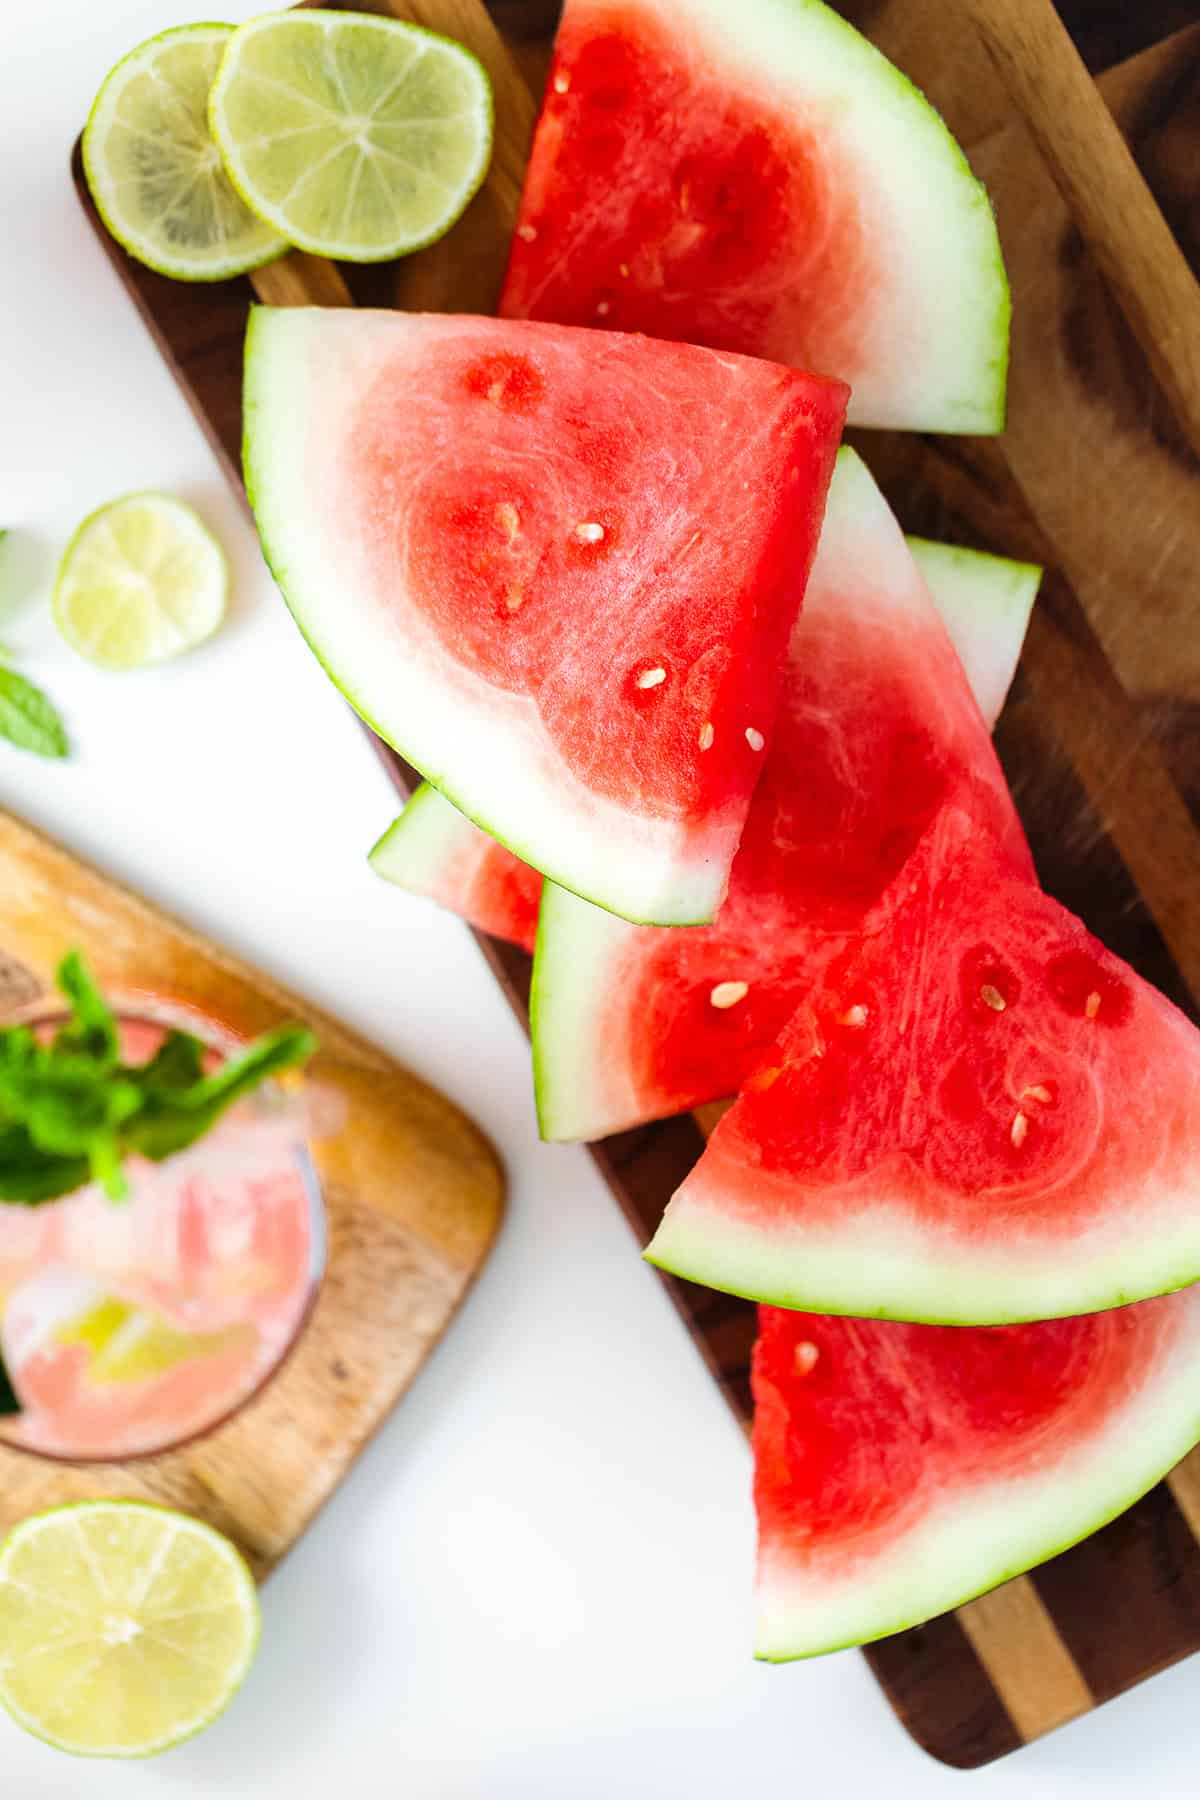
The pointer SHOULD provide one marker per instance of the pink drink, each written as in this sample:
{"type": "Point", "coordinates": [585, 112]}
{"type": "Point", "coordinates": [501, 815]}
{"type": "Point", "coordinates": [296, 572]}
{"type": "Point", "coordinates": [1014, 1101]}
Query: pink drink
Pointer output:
{"type": "Point", "coordinates": [131, 1326]}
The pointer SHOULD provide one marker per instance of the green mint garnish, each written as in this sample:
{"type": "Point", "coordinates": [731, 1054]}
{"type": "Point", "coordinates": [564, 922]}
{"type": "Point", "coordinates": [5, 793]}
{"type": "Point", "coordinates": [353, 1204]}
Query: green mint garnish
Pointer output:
{"type": "Point", "coordinates": [71, 1111]}
{"type": "Point", "coordinates": [28, 718]}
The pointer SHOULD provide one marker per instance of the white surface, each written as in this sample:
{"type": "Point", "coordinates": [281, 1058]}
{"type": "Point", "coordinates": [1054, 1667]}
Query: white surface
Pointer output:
{"type": "Point", "coordinates": [536, 1586]}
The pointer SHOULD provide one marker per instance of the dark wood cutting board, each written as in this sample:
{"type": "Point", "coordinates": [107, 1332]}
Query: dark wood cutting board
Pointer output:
{"type": "Point", "coordinates": [1099, 737]}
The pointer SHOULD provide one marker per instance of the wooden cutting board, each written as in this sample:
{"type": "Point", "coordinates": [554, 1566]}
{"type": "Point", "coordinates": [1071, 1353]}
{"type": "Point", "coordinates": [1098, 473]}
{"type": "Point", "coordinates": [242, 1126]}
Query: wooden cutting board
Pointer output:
{"type": "Point", "coordinates": [413, 1190]}
{"type": "Point", "coordinates": [1098, 739]}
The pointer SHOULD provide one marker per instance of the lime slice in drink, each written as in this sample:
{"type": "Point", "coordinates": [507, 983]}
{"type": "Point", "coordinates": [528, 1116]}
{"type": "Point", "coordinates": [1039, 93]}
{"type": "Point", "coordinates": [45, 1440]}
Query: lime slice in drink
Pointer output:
{"type": "Point", "coordinates": [353, 136]}
{"type": "Point", "coordinates": [141, 581]}
{"type": "Point", "coordinates": [154, 171]}
{"type": "Point", "coordinates": [124, 1628]}
{"type": "Point", "coordinates": [134, 1343]}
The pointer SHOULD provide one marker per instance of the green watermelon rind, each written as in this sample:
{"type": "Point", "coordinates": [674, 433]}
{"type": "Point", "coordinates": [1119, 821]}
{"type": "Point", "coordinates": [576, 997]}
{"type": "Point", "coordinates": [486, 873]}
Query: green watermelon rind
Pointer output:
{"type": "Point", "coordinates": [417, 846]}
{"type": "Point", "coordinates": [791, 50]}
{"type": "Point", "coordinates": [990, 1537]}
{"type": "Point", "coordinates": [649, 872]}
{"type": "Point", "coordinates": [986, 602]}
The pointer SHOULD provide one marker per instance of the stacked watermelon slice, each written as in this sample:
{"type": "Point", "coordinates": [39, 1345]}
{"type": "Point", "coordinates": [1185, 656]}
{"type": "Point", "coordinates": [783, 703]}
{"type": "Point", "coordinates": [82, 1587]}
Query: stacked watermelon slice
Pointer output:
{"type": "Point", "coordinates": [698, 719]}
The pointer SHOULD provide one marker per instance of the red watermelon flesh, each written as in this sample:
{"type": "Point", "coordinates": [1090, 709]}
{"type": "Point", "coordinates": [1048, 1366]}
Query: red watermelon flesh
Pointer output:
{"type": "Point", "coordinates": [433, 849]}
{"type": "Point", "coordinates": [901, 1469]}
{"type": "Point", "coordinates": [556, 569]}
{"type": "Point", "coordinates": [878, 732]}
{"type": "Point", "coordinates": [758, 178]}
{"type": "Point", "coordinates": [980, 1115]}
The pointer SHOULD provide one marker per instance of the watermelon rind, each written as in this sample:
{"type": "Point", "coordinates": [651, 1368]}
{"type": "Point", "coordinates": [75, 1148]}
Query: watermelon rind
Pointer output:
{"type": "Point", "coordinates": [415, 849]}
{"type": "Point", "coordinates": [985, 602]}
{"type": "Point", "coordinates": [508, 779]}
{"type": "Point", "coordinates": [978, 1538]}
{"type": "Point", "coordinates": [935, 347]}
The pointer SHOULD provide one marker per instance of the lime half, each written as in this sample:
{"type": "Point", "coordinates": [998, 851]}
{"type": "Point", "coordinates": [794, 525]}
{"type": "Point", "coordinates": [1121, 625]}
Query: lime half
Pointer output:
{"type": "Point", "coordinates": [142, 580]}
{"type": "Point", "coordinates": [124, 1628]}
{"type": "Point", "coordinates": [353, 136]}
{"type": "Point", "coordinates": [154, 171]}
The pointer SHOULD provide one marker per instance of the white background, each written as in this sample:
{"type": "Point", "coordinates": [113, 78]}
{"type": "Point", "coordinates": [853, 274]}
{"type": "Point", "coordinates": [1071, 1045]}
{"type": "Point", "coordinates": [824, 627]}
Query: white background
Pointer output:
{"type": "Point", "coordinates": [536, 1584]}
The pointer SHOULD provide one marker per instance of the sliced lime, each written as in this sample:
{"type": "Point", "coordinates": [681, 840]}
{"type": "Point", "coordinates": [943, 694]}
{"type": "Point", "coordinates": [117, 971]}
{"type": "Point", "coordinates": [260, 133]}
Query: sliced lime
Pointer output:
{"type": "Point", "coordinates": [134, 1343]}
{"type": "Point", "coordinates": [353, 136]}
{"type": "Point", "coordinates": [154, 171]}
{"type": "Point", "coordinates": [142, 580]}
{"type": "Point", "coordinates": [124, 1628]}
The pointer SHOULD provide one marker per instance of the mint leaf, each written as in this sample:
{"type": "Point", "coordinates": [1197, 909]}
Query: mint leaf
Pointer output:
{"type": "Point", "coordinates": [72, 1111]}
{"type": "Point", "coordinates": [28, 719]}
{"type": "Point", "coordinates": [9, 1404]}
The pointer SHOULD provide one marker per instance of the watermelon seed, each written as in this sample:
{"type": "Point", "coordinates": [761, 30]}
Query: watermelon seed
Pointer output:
{"type": "Point", "coordinates": [992, 997]}
{"type": "Point", "coordinates": [624, 269]}
{"type": "Point", "coordinates": [728, 993]}
{"type": "Point", "coordinates": [588, 532]}
{"type": "Point", "coordinates": [561, 83]}
{"type": "Point", "coordinates": [685, 196]}
{"type": "Point", "coordinates": [1020, 1130]}
{"type": "Point", "coordinates": [706, 737]}
{"type": "Point", "coordinates": [855, 1016]}
{"type": "Point", "coordinates": [651, 678]}
{"type": "Point", "coordinates": [755, 739]}
{"type": "Point", "coordinates": [1091, 1005]}
{"type": "Point", "coordinates": [507, 518]}
{"type": "Point", "coordinates": [602, 309]}
{"type": "Point", "coordinates": [806, 1355]}
{"type": "Point", "coordinates": [527, 233]}
{"type": "Point", "coordinates": [514, 598]}
{"type": "Point", "coordinates": [1037, 1093]}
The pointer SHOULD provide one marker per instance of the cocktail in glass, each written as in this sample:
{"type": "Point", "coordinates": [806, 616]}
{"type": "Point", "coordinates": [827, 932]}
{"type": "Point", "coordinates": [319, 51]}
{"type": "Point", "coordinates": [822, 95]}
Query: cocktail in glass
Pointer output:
{"type": "Point", "coordinates": [130, 1326]}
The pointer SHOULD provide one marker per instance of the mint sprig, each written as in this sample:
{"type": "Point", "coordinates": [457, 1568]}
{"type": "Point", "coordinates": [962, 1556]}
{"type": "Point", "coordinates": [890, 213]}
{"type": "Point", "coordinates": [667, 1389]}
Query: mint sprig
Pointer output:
{"type": "Point", "coordinates": [71, 1111]}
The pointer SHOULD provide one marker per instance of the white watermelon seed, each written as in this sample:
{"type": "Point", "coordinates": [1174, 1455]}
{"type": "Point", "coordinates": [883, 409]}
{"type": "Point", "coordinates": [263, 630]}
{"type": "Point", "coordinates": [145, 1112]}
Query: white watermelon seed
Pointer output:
{"type": "Point", "coordinates": [1092, 1005]}
{"type": "Point", "coordinates": [507, 518]}
{"type": "Point", "coordinates": [992, 997]}
{"type": "Point", "coordinates": [728, 993]}
{"type": "Point", "coordinates": [806, 1355]}
{"type": "Point", "coordinates": [624, 269]}
{"type": "Point", "coordinates": [561, 83]}
{"type": "Point", "coordinates": [527, 233]}
{"type": "Point", "coordinates": [514, 599]}
{"type": "Point", "coordinates": [602, 309]}
{"type": "Point", "coordinates": [706, 737]}
{"type": "Point", "coordinates": [651, 678]}
{"type": "Point", "coordinates": [755, 739]}
{"type": "Point", "coordinates": [589, 532]}
{"type": "Point", "coordinates": [1037, 1093]}
{"type": "Point", "coordinates": [1020, 1129]}
{"type": "Point", "coordinates": [855, 1016]}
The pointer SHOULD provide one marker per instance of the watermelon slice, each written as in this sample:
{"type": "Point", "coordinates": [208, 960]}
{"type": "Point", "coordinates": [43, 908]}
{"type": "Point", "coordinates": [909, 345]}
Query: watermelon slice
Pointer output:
{"type": "Point", "coordinates": [877, 733]}
{"type": "Point", "coordinates": [759, 178]}
{"type": "Point", "coordinates": [433, 849]}
{"type": "Point", "coordinates": [978, 1116]}
{"type": "Point", "coordinates": [902, 1469]}
{"type": "Point", "coordinates": [556, 569]}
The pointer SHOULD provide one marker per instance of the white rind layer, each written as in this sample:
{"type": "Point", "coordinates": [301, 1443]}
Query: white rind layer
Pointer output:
{"type": "Point", "coordinates": [935, 348]}
{"type": "Point", "coordinates": [581, 1081]}
{"type": "Point", "coordinates": [973, 1538]}
{"type": "Point", "coordinates": [985, 602]}
{"type": "Point", "coordinates": [429, 837]}
{"type": "Point", "coordinates": [887, 1261]}
{"type": "Point", "coordinates": [486, 749]}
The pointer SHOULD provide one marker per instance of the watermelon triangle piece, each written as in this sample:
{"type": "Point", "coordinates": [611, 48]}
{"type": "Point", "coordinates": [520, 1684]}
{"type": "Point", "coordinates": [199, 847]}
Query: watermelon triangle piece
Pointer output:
{"type": "Point", "coordinates": [878, 731]}
{"type": "Point", "coordinates": [899, 1470]}
{"type": "Point", "coordinates": [760, 178]}
{"type": "Point", "coordinates": [434, 850]}
{"type": "Point", "coordinates": [557, 569]}
{"type": "Point", "coordinates": [979, 1116]}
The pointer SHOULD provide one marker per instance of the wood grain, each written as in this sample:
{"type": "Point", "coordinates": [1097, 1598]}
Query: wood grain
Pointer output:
{"type": "Point", "coordinates": [1019, 1645]}
{"type": "Point", "coordinates": [1104, 190]}
{"type": "Point", "coordinates": [413, 1191]}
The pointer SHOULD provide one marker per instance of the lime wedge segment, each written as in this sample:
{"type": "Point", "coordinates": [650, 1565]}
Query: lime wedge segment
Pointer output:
{"type": "Point", "coordinates": [355, 137]}
{"type": "Point", "coordinates": [124, 1628]}
{"type": "Point", "coordinates": [154, 171]}
{"type": "Point", "coordinates": [142, 580]}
